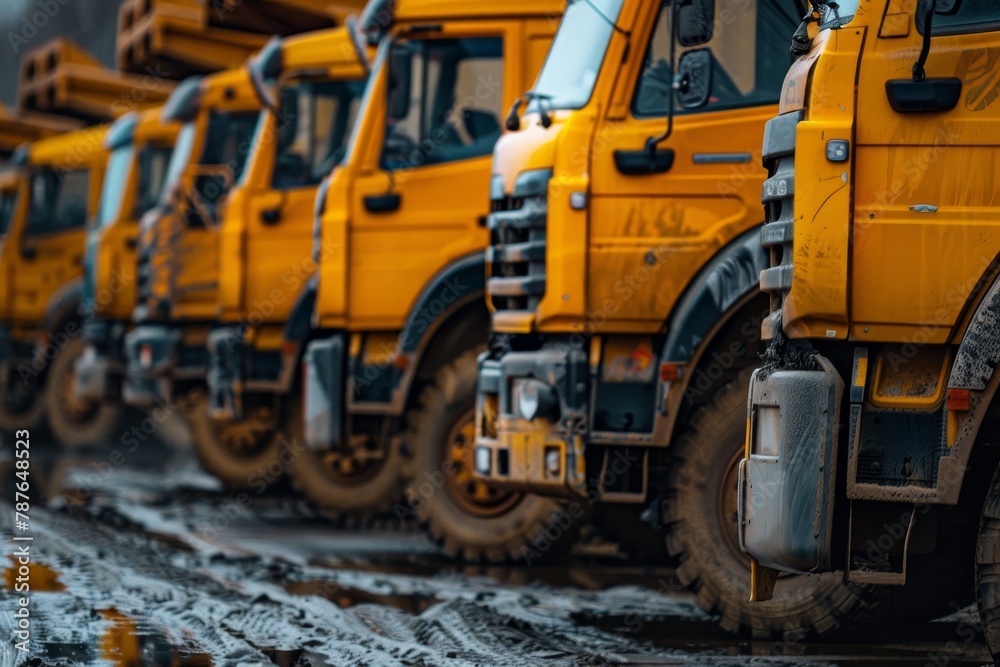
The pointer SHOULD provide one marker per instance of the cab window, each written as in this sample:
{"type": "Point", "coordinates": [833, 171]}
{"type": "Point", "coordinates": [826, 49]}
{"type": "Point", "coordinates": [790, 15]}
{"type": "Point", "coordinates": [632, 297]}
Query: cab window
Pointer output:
{"type": "Point", "coordinates": [8, 206]}
{"type": "Point", "coordinates": [749, 53]}
{"type": "Point", "coordinates": [969, 16]}
{"type": "Point", "coordinates": [313, 126]}
{"type": "Point", "coordinates": [154, 163]}
{"type": "Point", "coordinates": [445, 101]}
{"type": "Point", "coordinates": [58, 200]}
{"type": "Point", "coordinates": [228, 142]}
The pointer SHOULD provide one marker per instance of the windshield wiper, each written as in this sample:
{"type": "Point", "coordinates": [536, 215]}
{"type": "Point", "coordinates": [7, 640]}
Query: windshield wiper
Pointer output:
{"type": "Point", "coordinates": [607, 19]}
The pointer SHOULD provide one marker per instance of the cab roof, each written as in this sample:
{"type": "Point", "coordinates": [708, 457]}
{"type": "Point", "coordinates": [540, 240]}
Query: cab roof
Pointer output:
{"type": "Point", "coordinates": [423, 10]}
{"type": "Point", "coordinates": [73, 149]}
{"type": "Point", "coordinates": [320, 49]}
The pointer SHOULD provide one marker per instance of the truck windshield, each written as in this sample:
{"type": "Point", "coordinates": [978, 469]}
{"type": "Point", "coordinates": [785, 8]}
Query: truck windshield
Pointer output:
{"type": "Point", "coordinates": [180, 158]}
{"type": "Point", "coordinates": [313, 126]}
{"type": "Point", "coordinates": [58, 200]}
{"type": "Point", "coordinates": [8, 204]}
{"type": "Point", "coordinates": [838, 14]}
{"type": "Point", "coordinates": [115, 182]}
{"type": "Point", "coordinates": [567, 79]}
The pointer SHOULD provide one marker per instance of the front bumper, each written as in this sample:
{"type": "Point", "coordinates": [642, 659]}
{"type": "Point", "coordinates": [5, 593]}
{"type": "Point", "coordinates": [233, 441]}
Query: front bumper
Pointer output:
{"type": "Point", "coordinates": [98, 372]}
{"type": "Point", "coordinates": [156, 357]}
{"type": "Point", "coordinates": [788, 479]}
{"type": "Point", "coordinates": [543, 454]}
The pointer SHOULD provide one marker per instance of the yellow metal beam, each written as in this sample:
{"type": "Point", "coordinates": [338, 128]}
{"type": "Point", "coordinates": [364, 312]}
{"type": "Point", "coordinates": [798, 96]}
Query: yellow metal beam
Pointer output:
{"type": "Point", "coordinates": [61, 78]}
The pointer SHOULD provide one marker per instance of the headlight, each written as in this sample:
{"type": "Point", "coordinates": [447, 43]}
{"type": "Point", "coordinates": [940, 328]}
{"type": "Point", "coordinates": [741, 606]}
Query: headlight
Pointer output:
{"type": "Point", "coordinates": [535, 399]}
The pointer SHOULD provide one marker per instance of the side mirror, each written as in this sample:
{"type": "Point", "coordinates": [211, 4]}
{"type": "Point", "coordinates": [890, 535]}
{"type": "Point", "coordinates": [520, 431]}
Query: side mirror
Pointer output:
{"type": "Point", "coordinates": [400, 83]}
{"type": "Point", "coordinates": [693, 82]}
{"type": "Point", "coordinates": [264, 69]}
{"type": "Point", "coordinates": [695, 22]}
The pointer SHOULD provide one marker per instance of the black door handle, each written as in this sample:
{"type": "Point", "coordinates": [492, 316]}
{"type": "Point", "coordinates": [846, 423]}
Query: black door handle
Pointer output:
{"type": "Point", "coordinates": [383, 203]}
{"type": "Point", "coordinates": [644, 162]}
{"type": "Point", "coordinates": [29, 252]}
{"type": "Point", "coordinates": [132, 242]}
{"type": "Point", "coordinates": [271, 216]}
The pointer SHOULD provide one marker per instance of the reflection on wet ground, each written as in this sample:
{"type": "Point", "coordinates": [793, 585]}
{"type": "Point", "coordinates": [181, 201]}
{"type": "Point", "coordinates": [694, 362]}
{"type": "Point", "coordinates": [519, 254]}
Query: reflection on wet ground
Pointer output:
{"type": "Point", "coordinates": [149, 562]}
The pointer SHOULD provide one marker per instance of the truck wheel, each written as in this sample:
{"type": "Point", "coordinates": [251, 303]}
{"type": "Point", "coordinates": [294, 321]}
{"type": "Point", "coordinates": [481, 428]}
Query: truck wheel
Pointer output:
{"type": "Point", "coordinates": [352, 485]}
{"type": "Point", "coordinates": [702, 532]}
{"type": "Point", "coordinates": [73, 422]}
{"type": "Point", "coordinates": [988, 568]}
{"type": "Point", "coordinates": [242, 455]}
{"type": "Point", "coordinates": [21, 406]}
{"type": "Point", "coordinates": [468, 518]}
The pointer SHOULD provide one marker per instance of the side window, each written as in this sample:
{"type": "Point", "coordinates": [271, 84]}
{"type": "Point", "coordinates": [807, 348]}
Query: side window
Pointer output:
{"type": "Point", "coordinates": [969, 16]}
{"type": "Point", "coordinates": [445, 101]}
{"type": "Point", "coordinates": [8, 205]}
{"type": "Point", "coordinates": [153, 166]}
{"type": "Point", "coordinates": [312, 130]}
{"type": "Point", "coordinates": [228, 142]}
{"type": "Point", "coordinates": [58, 201]}
{"type": "Point", "coordinates": [749, 57]}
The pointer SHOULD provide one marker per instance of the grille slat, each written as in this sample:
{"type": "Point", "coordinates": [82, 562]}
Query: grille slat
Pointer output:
{"type": "Point", "coordinates": [778, 197]}
{"type": "Point", "coordinates": [517, 253]}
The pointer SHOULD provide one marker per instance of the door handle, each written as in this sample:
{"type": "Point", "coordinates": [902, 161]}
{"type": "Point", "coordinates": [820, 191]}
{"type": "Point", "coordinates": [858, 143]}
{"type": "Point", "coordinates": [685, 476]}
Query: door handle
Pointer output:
{"type": "Point", "coordinates": [383, 203]}
{"type": "Point", "coordinates": [271, 216]}
{"type": "Point", "coordinates": [132, 242]}
{"type": "Point", "coordinates": [644, 162]}
{"type": "Point", "coordinates": [29, 252]}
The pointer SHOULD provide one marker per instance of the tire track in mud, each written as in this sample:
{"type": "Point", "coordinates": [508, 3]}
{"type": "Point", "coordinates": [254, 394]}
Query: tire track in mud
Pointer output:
{"type": "Point", "coordinates": [236, 612]}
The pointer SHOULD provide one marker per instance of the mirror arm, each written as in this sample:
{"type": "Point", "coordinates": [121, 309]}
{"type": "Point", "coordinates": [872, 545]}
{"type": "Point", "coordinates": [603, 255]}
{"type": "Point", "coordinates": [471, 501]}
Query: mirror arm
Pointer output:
{"type": "Point", "coordinates": [919, 74]}
{"type": "Point", "coordinates": [652, 142]}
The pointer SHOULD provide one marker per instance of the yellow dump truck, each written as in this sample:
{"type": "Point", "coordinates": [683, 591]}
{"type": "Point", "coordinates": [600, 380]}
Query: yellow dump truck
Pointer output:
{"type": "Point", "coordinates": [140, 145]}
{"type": "Point", "coordinates": [47, 195]}
{"type": "Point", "coordinates": [178, 269]}
{"type": "Point", "coordinates": [311, 86]}
{"type": "Point", "coordinates": [624, 287]}
{"type": "Point", "coordinates": [871, 445]}
{"type": "Point", "coordinates": [382, 341]}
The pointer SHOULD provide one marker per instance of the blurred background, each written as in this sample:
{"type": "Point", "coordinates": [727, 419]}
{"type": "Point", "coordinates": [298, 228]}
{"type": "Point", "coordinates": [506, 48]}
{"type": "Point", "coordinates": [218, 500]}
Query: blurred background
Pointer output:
{"type": "Point", "coordinates": [92, 24]}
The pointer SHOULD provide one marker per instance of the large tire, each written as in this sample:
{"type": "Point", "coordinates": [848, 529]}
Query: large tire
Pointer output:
{"type": "Point", "coordinates": [75, 423]}
{"type": "Point", "coordinates": [21, 407]}
{"type": "Point", "coordinates": [702, 533]}
{"type": "Point", "coordinates": [356, 494]}
{"type": "Point", "coordinates": [244, 456]}
{"type": "Point", "coordinates": [467, 519]}
{"type": "Point", "coordinates": [988, 568]}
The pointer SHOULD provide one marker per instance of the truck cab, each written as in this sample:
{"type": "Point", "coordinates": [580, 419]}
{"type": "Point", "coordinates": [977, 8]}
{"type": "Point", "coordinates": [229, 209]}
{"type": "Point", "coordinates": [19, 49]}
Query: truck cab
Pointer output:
{"type": "Point", "coordinates": [47, 196]}
{"type": "Point", "coordinates": [178, 270]}
{"type": "Point", "coordinates": [311, 87]}
{"type": "Point", "coordinates": [140, 146]}
{"type": "Point", "coordinates": [624, 286]}
{"type": "Point", "coordinates": [870, 426]}
{"type": "Point", "coordinates": [395, 316]}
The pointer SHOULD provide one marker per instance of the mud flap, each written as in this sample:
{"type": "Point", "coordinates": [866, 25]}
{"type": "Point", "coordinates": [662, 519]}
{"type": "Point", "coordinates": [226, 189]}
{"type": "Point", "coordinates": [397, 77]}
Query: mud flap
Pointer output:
{"type": "Point", "coordinates": [323, 387]}
{"type": "Point", "coordinates": [787, 484]}
{"type": "Point", "coordinates": [226, 355]}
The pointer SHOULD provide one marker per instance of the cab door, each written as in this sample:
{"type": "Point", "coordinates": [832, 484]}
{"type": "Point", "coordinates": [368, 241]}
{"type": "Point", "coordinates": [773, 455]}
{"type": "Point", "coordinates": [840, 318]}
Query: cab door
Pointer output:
{"type": "Point", "coordinates": [653, 228]}
{"type": "Point", "coordinates": [308, 139]}
{"type": "Point", "coordinates": [50, 252]}
{"type": "Point", "coordinates": [423, 189]}
{"type": "Point", "coordinates": [925, 195]}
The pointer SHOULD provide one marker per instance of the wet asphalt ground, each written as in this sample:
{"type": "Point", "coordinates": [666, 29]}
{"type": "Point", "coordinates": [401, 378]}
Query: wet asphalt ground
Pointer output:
{"type": "Point", "coordinates": [142, 559]}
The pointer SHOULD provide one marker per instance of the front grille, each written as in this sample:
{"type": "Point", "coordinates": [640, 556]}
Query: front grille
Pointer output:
{"type": "Point", "coordinates": [778, 198]}
{"type": "Point", "coordinates": [517, 252]}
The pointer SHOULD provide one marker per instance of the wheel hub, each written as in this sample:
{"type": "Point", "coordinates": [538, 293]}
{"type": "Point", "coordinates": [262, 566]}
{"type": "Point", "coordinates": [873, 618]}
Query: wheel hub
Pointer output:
{"type": "Point", "coordinates": [471, 493]}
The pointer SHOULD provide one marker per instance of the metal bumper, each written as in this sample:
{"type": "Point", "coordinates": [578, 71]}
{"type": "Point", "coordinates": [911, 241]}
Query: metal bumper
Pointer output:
{"type": "Point", "coordinates": [788, 481]}
{"type": "Point", "coordinates": [151, 357]}
{"type": "Point", "coordinates": [541, 452]}
{"type": "Point", "coordinates": [97, 373]}
{"type": "Point", "coordinates": [323, 389]}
